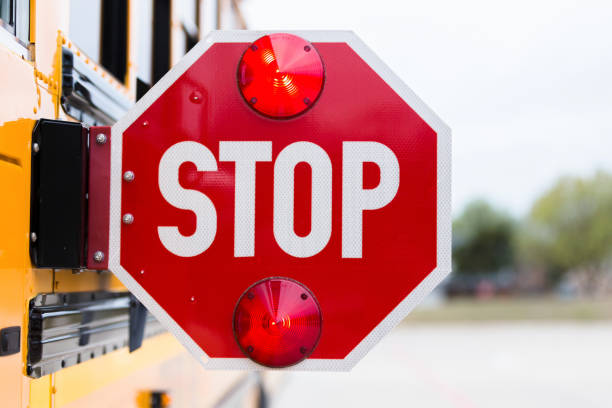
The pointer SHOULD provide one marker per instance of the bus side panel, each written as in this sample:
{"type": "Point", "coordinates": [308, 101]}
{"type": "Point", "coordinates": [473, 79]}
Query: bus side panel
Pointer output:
{"type": "Point", "coordinates": [120, 378]}
{"type": "Point", "coordinates": [18, 103]}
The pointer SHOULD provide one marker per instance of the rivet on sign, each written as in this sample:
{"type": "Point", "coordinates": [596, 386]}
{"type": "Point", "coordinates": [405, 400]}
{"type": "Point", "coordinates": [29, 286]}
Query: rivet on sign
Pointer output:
{"type": "Point", "coordinates": [145, 123]}
{"type": "Point", "coordinates": [33, 237]}
{"type": "Point", "coordinates": [304, 296]}
{"type": "Point", "coordinates": [101, 139]}
{"type": "Point", "coordinates": [127, 218]}
{"type": "Point", "coordinates": [36, 147]}
{"type": "Point", "coordinates": [250, 296]}
{"type": "Point", "coordinates": [253, 47]}
{"type": "Point", "coordinates": [195, 97]}
{"type": "Point", "coordinates": [142, 271]}
{"type": "Point", "coordinates": [250, 349]}
{"type": "Point", "coordinates": [303, 350]}
{"type": "Point", "coordinates": [307, 101]}
{"type": "Point", "coordinates": [98, 256]}
{"type": "Point", "coordinates": [128, 176]}
{"type": "Point", "coordinates": [253, 100]}
{"type": "Point", "coordinates": [192, 299]}
{"type": "Point", "coordinates": [307, 48]}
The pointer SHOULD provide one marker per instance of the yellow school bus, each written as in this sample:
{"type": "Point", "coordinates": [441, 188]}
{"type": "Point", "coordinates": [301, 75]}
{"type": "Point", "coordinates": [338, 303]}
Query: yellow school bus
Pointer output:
{"type": "Point", "coordinates": [66, 335]}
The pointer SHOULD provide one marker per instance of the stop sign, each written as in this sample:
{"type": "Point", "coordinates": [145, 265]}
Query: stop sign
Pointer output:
{"type": "Point", "coordinates": [245, 194]}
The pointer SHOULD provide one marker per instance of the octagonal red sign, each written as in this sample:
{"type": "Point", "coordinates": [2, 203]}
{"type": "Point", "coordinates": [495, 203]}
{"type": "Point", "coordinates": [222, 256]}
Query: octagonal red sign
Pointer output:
{"type": "Point", "coordinates": [349, 197]}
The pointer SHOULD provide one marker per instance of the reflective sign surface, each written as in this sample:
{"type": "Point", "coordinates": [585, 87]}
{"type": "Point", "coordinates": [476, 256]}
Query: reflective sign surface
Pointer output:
{"type": "Point", "coordinates": [342, 198]}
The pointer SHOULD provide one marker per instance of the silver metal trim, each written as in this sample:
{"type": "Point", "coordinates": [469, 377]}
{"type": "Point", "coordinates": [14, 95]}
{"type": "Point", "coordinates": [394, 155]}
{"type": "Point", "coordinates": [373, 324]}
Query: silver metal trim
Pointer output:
{"type": "Point", "coordinates": [70, 328]}
{"type": "Point", "coordinates": [92, 96]}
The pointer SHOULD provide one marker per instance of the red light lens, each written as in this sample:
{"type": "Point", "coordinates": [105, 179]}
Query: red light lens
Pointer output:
{"type": "Point", "coordinates": [280, 75]}
{"type": "Point", "coordinates": [277, 322]}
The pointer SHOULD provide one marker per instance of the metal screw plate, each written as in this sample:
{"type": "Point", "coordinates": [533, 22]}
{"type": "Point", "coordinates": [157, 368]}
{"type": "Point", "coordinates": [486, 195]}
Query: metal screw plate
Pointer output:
{"type": "Point", "coordinates": [127, 218]}
{"type": "Point", "coordinates": [128, 176]}
{"type": "Point", "coordinates": [101, 138]}
{"type": "Point", "coordinates": [98, 256]}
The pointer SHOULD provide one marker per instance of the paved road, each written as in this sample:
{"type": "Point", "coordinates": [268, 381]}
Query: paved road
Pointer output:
{"type": "Point", "coordinates": [470, 365]}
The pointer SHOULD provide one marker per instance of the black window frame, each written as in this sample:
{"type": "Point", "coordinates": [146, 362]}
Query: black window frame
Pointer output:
{"type": "Point", "coordinates": [161, 39]}
{"type": "Point", "coordinates": [114, 38]}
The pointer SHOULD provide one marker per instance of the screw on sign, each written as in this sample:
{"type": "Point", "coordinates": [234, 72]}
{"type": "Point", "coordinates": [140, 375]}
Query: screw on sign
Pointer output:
{"type": "Point", "coordinates": [280, 200]}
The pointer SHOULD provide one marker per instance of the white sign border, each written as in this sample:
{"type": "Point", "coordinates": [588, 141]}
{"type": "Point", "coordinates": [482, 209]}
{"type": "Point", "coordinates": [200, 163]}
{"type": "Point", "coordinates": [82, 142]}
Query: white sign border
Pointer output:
{"type": "Point", "coordinates": [443, 265]}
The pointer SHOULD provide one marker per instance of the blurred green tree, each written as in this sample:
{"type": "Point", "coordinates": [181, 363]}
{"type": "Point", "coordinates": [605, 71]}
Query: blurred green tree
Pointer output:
{"type": "Point", "coordinates": [483, 240]}
{"type": "Point", "coordinates": [569, 227]}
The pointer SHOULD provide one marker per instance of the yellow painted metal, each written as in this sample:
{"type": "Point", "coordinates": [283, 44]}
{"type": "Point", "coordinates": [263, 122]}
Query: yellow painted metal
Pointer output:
{"type": "Point", "coordinates": [33, 21]}
{"type": "Point", "coordinates": [121, 378]}
{"type": "Point", "coordinates": [39, 392]}
{"type": "Point", "coordinates": [51, 18]}
{"type": "Point", "coordinates": [144, 398]}
{"type": "Point", "coordinates": [32, 90]}
{"type": "Point", "coordinates": [181, 377]}
{"type": "Point", "coordinates": [14, 264]}
{"type": "Point", "coordinates": [80, 381]}
{"type": "Point", "coordinates": [132, 47]}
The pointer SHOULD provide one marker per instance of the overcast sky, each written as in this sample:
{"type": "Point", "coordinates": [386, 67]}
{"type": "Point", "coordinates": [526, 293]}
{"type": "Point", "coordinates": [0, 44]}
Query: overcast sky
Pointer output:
{"type": "Point", "coordinates": [526, 86]}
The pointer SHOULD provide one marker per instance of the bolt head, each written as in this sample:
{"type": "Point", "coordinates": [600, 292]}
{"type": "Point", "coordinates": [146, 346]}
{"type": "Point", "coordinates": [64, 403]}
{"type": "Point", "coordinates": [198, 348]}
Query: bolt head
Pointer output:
{"type": "Point", "coordinates": [98, 256]}
{"type": "Point", "coordinates": [33, 237]}
{"type": "Point", "coordinates": [195, 97]}
{"type": "Point", "coordinates": [128, 176]}
{"type": "Point", "coordinates": [101, 138]}
{"type": "Point", "coordinates": [127, 218]}
{"type": "Point", "coordinates": [35, 147]}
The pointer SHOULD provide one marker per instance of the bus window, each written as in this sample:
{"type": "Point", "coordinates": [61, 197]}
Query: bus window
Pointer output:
{"type": "Point", "coordinates": [6, 14]}
{"type": "Point", "coordinates": [145, 41]}
{"type": "Point", "coordinates": [99, 29]}
{"type": "Point", "coordinates": [186, 35]}
{"type": "Point", "coordinates": [114, 37]}
{"type": "Point", "coordinates": [208, 17]}
{"type": "Point", "coordinates": [85, 20]}
{"type": "Point", "coordinates": [161, 39]}
{"type": "Point", "coordinates": [15, 25]}
{"type": "Point", "coordinates": [189, 24]}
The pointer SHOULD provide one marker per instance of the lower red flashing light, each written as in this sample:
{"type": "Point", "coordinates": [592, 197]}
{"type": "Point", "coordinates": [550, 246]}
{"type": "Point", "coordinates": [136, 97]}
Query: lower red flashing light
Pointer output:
{"type": "Point", "coordinates": [277, 322]}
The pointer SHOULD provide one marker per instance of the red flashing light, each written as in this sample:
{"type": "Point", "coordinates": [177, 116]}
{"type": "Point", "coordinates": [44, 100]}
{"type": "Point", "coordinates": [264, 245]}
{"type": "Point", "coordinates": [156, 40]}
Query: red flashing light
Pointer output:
{"type": "Point", "coordinates": [281, 75]}
{"type": "Point", "coordinates": [277, 322]}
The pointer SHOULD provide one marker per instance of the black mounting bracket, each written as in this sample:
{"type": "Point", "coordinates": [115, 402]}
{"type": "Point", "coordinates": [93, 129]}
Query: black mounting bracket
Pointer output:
{"type": "Point", "coordinates": [58, 195]}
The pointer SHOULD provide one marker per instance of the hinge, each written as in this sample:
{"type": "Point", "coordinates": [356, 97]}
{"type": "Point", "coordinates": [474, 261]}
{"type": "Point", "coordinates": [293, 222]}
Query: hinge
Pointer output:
{"type": "Point", "coordinates": [98, 202]}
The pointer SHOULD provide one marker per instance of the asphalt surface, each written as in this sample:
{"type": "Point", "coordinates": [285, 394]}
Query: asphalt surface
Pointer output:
{"type": "Point", "coordinates": [532, 364]}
